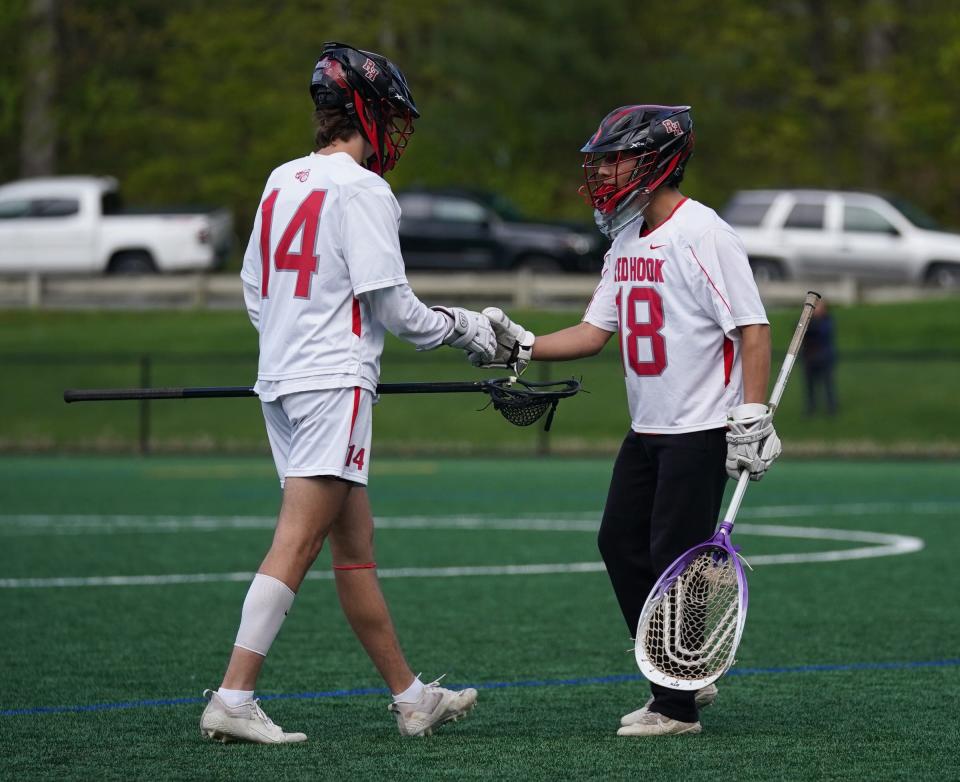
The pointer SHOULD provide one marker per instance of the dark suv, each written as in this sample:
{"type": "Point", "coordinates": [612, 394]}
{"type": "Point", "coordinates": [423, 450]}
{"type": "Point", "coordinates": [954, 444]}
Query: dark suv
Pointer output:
{"type": "Point", "coordinates": [465, 230]}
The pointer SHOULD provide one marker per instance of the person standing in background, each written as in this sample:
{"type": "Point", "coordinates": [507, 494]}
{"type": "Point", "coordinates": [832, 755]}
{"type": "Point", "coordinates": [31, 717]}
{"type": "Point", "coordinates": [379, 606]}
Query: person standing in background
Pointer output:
{"type": "Point", "coordinates": [819, 356]}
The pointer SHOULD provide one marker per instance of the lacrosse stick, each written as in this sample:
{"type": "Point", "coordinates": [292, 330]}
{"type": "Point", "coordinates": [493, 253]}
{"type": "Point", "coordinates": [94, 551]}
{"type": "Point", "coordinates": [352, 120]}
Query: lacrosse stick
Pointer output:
{"type": "Point", "coordinates": [521, 402]}
{"type": "Point", "coordinates": [691, 623]}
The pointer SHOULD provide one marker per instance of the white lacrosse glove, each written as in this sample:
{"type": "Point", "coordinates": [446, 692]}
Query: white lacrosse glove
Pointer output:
{"type": "Point", "coordinates": [470, 331]}
{"type": "Point", "coordinates": [514, 343]}
{"type": "Point", "coordinates": [752, 442]}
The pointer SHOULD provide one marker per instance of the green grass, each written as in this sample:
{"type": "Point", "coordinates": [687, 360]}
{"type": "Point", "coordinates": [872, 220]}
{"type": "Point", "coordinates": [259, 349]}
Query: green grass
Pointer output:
{"type": "Point", "coordinates": [929, 325]}
{"type": "Point", "coordinates": [104, 645]}
{"type": "Point", "coordinates": [897, 386]}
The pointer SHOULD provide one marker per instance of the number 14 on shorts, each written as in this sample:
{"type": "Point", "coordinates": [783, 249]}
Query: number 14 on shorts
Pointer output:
{"type": "Point", "coordinates": [355, 456]}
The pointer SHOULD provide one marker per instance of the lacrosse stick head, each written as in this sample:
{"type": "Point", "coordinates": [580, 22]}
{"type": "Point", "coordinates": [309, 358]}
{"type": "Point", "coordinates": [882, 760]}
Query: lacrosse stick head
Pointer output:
{"type": "Point", "coordinates": [524, 402]}
{"type": "Point", "coordinates": [691, 624]}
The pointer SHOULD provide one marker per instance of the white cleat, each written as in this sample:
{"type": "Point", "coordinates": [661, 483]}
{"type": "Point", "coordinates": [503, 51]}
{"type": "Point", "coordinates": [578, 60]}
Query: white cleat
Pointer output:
{"type": "Point", "coordinates": [649, 723]}
{"type": "Point", "coordinates": [436, 706]}
{"type": "Point", "coordinates": [245, 722]}
{"type": "Point", "coordinates": [704, 698]}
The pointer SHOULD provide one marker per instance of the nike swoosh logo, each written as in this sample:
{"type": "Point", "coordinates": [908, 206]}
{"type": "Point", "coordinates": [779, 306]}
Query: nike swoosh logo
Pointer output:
{"type": "Point", "coordinates": [657, 246]}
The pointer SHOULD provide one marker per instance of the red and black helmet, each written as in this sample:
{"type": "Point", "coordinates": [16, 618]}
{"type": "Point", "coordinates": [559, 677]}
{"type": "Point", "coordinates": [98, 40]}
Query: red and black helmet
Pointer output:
{"type": "Point", "coordinates": [635, 150]}
{"type": "Point", "coordinates": [373, 92]}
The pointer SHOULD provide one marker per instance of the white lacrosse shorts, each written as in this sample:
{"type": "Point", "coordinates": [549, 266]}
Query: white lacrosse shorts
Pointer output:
{"type": "Point", "coordinates": [321, 433]}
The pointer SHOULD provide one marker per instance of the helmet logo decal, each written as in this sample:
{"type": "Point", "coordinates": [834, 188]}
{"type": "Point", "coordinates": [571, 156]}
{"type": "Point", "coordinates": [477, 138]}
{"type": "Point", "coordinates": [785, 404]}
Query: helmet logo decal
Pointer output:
{"type": "Point", "coordinates": [370, 69]}
{"type": "Point", "coordinates": [302, 175]}
{"type": "Point", "coordinates": [672, 127]}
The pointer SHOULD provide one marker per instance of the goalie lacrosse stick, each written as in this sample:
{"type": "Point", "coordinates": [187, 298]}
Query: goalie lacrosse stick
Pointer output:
{"type": "Point", "coordinates": [521, 402]}
{"type": "Point", "coordinates": [691, 623]}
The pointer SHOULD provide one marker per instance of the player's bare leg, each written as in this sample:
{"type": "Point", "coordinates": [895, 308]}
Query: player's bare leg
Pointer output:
{"type": "Point", "coordinates": [309, 508]}
{"type": "Point", "coordinates": [351, 545]}
{"type": "Point", "coordinates": [419, 708]}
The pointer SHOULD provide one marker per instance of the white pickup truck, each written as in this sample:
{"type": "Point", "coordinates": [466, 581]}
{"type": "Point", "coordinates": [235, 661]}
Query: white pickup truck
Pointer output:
{"type": "Point", "coordinates": [811, 234]}
{"type": "Point", "coordinates": [76, 224]}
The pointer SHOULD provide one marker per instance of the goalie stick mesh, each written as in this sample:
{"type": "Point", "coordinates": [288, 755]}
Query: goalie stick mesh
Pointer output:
{"type": "Point", "coordinates": [689, 631]}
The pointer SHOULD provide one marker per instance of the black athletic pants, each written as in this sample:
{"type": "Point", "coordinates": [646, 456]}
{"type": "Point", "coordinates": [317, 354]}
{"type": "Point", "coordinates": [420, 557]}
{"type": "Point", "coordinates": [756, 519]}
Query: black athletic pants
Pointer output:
{"type": "Point", "coordinates": [664, 497]}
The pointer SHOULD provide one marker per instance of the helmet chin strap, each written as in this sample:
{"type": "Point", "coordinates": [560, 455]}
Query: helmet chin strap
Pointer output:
{"type": "Point", "coordinates": [629, 210]}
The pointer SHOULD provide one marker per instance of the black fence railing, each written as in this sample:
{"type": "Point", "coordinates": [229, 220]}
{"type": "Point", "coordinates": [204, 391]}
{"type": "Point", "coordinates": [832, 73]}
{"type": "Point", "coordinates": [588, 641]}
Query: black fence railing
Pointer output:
{"type": "Point", "coordinates": [890, 402]}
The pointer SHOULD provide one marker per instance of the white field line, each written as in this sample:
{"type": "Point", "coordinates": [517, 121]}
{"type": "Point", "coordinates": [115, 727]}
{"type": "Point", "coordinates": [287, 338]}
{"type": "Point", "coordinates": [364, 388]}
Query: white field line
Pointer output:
{"type": "Point", "coordinates": [883, 545]}
{"type": "Point", "coordinates": [17, 525]}
{"type": "Point", "coordinates": [324, 575]}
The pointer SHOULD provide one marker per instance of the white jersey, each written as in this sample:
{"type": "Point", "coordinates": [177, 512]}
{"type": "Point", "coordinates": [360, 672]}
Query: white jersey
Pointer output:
{"type": "Point", "coordinates": [325, 232]}
{"type": "Point", "coordinates": [677, 295]}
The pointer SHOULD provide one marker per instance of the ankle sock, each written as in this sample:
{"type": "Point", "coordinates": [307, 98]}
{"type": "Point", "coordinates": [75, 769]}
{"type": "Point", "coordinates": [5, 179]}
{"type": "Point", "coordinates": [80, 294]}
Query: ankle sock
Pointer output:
{"type": "Point", "coordinates": [235, 697]}
{"type": "Point", "coordinates": [412, 694]}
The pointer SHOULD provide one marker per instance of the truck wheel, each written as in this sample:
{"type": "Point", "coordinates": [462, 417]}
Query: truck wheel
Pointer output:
{"type": "Point", "coordinates": [132, 262]}
{"type": "Point", "coordinates": [943, 275]}
{"type": "Point", "coordinates": [766, 270]}
{"type": "Point", "coordinates": [542, 264]}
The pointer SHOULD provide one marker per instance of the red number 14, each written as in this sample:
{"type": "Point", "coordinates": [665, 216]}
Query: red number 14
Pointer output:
{"type": "Point", "coordinates": [304, 263]}
{"type": "Point", "coordinates": [358, 459]}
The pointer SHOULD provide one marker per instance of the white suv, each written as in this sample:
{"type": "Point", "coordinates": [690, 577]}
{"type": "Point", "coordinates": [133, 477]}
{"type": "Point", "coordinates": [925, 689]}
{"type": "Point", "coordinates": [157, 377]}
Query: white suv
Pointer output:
{"type": "Point", "coordinates": [810, 234]}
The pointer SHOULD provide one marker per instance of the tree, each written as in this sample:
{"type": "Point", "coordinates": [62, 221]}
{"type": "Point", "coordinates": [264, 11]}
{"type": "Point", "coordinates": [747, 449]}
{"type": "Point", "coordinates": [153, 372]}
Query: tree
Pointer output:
{"type": "Point", "coordinates": [198, 100]}
{"type": "Point", "coordinates": [38, 142]}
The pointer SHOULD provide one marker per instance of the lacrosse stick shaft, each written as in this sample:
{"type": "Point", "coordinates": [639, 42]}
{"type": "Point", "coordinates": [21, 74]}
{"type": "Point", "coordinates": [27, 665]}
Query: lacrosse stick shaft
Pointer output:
{"type": "Point", "coordinates": [734, 507]}
{"type": "Point", "coordinates": [215, 392]}
{"type": "Point", "coordinates": [809, 305]}
{"type": "Point", "coordinates": [118, 394]}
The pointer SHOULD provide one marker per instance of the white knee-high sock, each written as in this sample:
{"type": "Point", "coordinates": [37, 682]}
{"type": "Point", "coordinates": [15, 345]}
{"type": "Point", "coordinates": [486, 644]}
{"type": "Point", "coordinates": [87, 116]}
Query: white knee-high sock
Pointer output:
{"type": "Point", "coordinates": [264, 609]}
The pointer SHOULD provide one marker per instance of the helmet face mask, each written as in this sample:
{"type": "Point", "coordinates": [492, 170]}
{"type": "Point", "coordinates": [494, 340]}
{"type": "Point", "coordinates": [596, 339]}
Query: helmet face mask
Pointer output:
{"type": "Point", "coordinates": [374, 94]}
{"type": "Point", "coordinates": [397, 131]}
{"type": "Point", "coordinates": [635, 150]}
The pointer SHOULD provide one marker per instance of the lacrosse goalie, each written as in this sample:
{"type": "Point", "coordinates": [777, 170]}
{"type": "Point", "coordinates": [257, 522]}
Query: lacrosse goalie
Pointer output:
{"type": "Point", "coordinates": [695, 344]}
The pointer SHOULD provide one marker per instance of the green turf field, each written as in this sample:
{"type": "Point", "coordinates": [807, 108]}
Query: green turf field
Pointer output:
{"type": "Point", "coordinates": [848, 668]}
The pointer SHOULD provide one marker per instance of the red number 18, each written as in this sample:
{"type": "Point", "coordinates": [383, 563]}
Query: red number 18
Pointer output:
{"type": "Point", "coordinates": [633, 330]}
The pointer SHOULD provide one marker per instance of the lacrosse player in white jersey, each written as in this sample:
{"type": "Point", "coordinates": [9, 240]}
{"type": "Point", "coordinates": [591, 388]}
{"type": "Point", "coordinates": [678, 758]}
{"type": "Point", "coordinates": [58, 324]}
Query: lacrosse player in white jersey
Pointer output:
{"type": "Point", "coordinates": [695, 344]}
{"type": "Point", "coordinates": [323, 279]}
